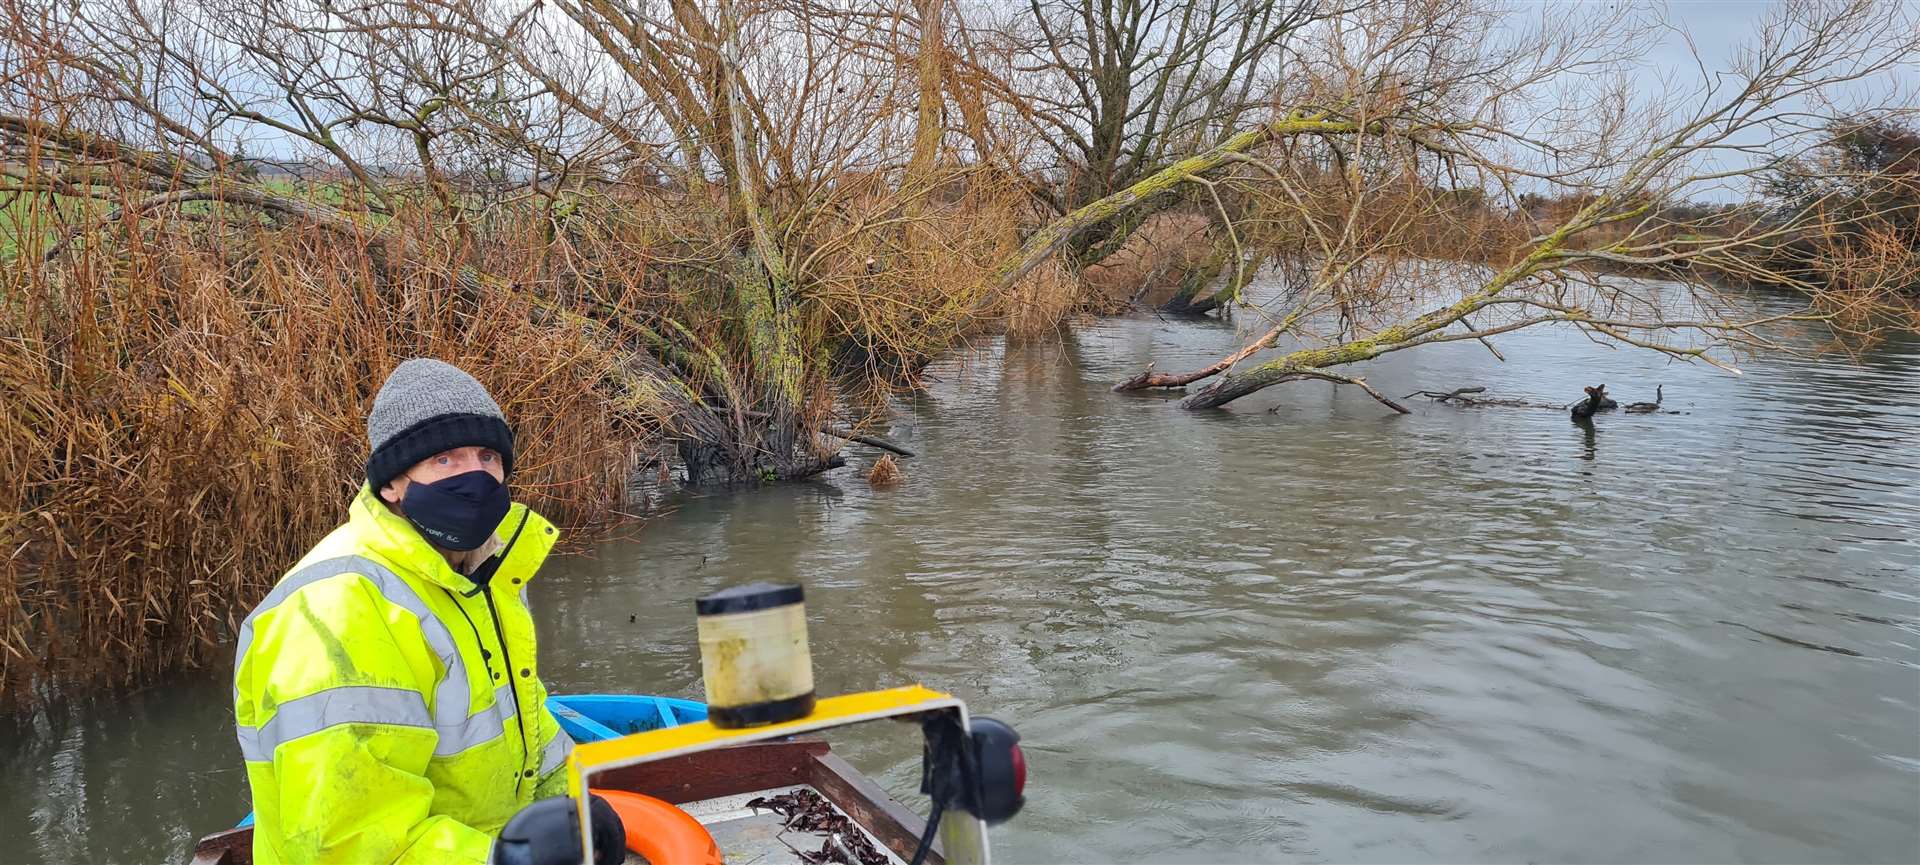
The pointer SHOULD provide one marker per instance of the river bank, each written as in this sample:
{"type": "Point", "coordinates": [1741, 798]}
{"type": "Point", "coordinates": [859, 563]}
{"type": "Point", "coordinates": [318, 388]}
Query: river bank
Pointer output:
{"type": "Point", "coordinates": [1318, 632]}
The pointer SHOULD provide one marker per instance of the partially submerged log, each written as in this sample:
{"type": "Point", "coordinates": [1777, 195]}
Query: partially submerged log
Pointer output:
{"type": "Point", "coordinates": [1437, 396]}
{"type": "Point", "coordinates": [840, 432]}
{"type": "Point", "coordinates": [1463, 397]}
{"type": "Point", "coordinates": [1149, 379]}
{"type": "Point", "coordinates": [1460, 397]}
{"type": "Point", "coordinates": [863, 438]}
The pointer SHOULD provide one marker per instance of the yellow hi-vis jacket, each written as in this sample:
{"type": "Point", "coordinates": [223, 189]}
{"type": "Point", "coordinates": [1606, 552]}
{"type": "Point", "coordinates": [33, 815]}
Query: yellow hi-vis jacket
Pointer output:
{"type": "Point", "coordinates": [389, 709]}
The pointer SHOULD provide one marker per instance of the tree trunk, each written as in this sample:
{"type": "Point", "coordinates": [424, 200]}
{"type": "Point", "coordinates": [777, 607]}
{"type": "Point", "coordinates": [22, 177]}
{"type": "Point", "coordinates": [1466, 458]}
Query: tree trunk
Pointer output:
{"type": "Point", "coordinates": [1042, 244]}
{"type": "Point", "coordinates": [762, 441]}
{"type": "Point", "coordinates": [1151, 379]}
{"type": "Point", "coordinates": [1235, 386]}
{"type": "Point", "coordinates": [926, 136]}
{"type": "Point", "coordinates": [1100, 242]}
{"type": "Point", "coordinates": [1197, 278]}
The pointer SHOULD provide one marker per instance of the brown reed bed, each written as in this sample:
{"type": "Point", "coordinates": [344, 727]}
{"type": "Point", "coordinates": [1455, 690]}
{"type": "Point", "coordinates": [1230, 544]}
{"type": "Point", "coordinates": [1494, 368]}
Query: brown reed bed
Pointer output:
{"type": "Point", "coordinates": [183, 417]}
{"type": "Point", "coordinates": [185, 393]}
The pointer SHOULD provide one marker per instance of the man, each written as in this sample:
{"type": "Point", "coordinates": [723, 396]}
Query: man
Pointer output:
{"type": "Point", "coordinates": [388, 705]}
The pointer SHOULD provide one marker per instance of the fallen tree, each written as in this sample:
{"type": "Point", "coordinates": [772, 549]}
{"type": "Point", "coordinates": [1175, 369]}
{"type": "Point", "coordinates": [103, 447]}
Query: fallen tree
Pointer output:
{"type": "Point", "coordinates": [1374, 292]}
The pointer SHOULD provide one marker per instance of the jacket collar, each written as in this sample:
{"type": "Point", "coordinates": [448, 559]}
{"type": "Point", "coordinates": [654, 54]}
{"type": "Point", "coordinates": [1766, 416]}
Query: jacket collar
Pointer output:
{"type": "Point", "coordinates": [394, 540]}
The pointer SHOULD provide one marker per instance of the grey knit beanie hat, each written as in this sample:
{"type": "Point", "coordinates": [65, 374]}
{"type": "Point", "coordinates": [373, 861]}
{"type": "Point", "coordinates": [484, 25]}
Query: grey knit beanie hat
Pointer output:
{"type": "Point", "coordinates": [426, 407]}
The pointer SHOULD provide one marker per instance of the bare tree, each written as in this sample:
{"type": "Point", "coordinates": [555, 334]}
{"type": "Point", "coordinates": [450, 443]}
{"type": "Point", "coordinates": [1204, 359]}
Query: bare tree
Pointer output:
{"type": "Point", "coordinates": [792, 154]}
{"type": "Point", "coordinates": [1375, 291]}
{"type": "Point", "coordinates": [1121, 90]}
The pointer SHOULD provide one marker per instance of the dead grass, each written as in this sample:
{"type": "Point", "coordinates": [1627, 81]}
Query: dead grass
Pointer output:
{"type": "Point", "coordinates": [186, 396]}
{"type": "Point", "coordinates": [1151, 264]}
{"type": "Point", "coordinates": [184, 417]}
{"type": "Point", "coordinates": [885, 472]}
{"type": "Point", "coordinates": [897, 279]}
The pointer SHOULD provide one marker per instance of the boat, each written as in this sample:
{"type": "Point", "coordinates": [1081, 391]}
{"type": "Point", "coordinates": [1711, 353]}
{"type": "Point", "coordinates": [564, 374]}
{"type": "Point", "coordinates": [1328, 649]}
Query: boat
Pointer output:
{"type": "Point", "coordinates": [754, 783]}
{"type": "Point", "coordinates": [745, 795]}
{"type": "Point", "coordinates": [599, 717]}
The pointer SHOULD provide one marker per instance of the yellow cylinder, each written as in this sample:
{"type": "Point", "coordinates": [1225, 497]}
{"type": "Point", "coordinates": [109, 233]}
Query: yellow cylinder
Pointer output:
{"type": "Point", "coordinates": [754, 656]}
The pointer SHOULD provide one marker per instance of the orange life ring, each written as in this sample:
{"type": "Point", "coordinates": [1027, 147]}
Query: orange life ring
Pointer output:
{"type": "Point", "coordinates": [664, 834]}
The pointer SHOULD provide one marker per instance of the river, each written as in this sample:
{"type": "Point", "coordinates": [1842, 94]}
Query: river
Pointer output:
{"type": "Point", "coordinates": [1320, 632]}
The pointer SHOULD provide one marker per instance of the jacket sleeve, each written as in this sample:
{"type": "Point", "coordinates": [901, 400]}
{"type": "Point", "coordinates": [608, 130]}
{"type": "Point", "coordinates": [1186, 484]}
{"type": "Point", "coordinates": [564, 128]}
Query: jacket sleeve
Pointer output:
{"type": "Point", "coordinates": [350, 734]}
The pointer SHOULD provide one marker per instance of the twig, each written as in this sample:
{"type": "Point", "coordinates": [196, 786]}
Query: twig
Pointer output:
{"type": "Point", "coordinates": [1358, 382]}
{"type": "Point", "coordinates": [1483, 341]}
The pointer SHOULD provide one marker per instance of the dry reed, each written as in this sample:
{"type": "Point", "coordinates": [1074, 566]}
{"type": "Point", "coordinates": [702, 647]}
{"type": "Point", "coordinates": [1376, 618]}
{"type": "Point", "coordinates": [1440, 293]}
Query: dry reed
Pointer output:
{"type": "Point", "coordinates": [885, 472]}
{"type": "Point", "coordinates": [185, 395]}
{"type": "Point", "coordinates": [184, 416]}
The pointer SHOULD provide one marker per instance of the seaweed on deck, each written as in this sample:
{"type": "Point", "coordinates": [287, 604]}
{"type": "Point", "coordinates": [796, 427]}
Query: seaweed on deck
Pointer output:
{"type": "Point", "coordinates": [808, 811]}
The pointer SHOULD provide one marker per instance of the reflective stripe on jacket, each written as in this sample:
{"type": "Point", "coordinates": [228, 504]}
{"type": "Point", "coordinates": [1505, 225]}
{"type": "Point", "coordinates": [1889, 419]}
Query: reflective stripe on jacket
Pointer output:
{"type": "Point", "coordinates": [390, 710]}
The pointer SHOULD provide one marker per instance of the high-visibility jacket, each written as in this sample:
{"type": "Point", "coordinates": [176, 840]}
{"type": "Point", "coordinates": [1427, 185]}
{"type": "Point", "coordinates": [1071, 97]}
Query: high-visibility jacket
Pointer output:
{"type": "Point", "coordinates": [389, 710]}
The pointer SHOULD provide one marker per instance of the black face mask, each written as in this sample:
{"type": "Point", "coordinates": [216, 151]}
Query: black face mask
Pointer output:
{"type": "Point", "coordinates": [458, 513]}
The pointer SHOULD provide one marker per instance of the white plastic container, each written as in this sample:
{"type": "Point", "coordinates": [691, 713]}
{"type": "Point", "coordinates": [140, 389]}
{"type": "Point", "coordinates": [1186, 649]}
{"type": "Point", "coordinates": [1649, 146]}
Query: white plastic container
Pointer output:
{"type": "Point", "coordinates": [754, 655]}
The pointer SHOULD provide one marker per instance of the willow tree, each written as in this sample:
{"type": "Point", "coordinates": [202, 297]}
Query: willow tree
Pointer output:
{"type": "Point", "coordinates": [1121, 91]}
{"type": "Point", "coordinates": [751, 198]}
{"type": "Point", "coordinates": [1442, 107]}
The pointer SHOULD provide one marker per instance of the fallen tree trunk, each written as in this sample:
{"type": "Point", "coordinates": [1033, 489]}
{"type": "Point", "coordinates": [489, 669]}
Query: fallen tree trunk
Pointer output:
{"type": "Point", "coordinates": [1421, 330]}
{"type": "Point", "coordinates": [1056, 234]}
{"type": "Point", "coordinates": [869, 441]}
{"type": "Point", "coordinates": [1234, 387]}
{"type": "Point", "coordinates": [1459, 397]}
{"type": "Point", "coordinates": [1437, 396]}
{"type": "Point", "coordinates": [1182, 302]}
{"type": "Point", "coordinates": [329, 218]}
{"type": "Point", "coordinates": [840, 432]}
{"type": "Point", "coordinates": [1150, 379]}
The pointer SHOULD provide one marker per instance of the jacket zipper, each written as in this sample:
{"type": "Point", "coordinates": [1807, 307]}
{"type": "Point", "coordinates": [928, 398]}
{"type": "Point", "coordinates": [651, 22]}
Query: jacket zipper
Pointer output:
{"type": "Point", "coordinates": [486, 657]}
{"type": "Point", "coordinates": [485, 572]}
{"type": "Point", "coordinates": [520, 718]}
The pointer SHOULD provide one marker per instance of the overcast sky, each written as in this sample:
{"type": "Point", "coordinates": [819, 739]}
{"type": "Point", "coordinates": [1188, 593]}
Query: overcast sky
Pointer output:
{"type": "Point", "coordinates": [1715, 25]}
{"type": "Point", "coordinates": [1717, 29]}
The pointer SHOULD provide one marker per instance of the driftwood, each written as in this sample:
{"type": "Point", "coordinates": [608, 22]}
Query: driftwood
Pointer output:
{"type": "Point", "coordinates": [870, 441]}
{"type": "Point", "coordinates": [840, 432]}
{"type": "Point", "coordinates": [1462, 397]}
{"type": "Point", "coordinates": [1437, 396]}
{"type": "Point", "coordinates": [1459, 397]}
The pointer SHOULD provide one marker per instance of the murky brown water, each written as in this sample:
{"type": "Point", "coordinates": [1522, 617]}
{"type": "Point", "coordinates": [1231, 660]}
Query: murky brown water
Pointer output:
{"type": "Point", "coordinates": [1320, 633]}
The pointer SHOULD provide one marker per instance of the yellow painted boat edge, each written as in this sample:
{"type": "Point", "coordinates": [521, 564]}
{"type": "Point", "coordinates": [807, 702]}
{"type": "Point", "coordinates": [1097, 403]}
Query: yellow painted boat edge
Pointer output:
{"type": "Point", "coordinates": [589, 757]}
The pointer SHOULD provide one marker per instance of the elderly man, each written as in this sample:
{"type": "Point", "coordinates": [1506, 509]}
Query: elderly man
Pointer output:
{"type": "Point", "coordinates": [388, 703]}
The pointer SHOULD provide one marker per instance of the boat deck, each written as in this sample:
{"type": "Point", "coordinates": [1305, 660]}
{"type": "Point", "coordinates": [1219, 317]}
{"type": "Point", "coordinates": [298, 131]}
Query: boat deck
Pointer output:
{"type": "Point", "coordinates": [750, 835]}
{"type": "Point", "coordinates": [841, 813]}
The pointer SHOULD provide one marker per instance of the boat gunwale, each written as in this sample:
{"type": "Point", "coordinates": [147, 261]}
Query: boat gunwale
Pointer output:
{"type": "Point", "coordinates": [709, 775]}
